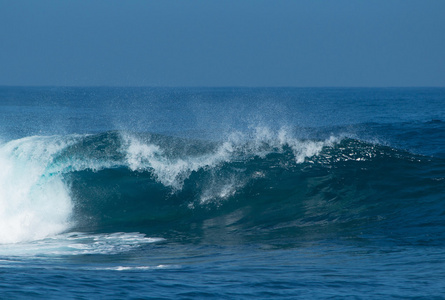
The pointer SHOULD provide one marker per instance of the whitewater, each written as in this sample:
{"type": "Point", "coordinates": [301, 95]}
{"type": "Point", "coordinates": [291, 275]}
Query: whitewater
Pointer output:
{"type": "Point", "coordinates": [222, 193]}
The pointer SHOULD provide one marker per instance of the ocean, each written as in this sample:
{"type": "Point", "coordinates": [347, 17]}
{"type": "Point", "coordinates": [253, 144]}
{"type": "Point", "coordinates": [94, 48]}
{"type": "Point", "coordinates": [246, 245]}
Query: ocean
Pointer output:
{"type": "Point", "coordinates": [222, 193]}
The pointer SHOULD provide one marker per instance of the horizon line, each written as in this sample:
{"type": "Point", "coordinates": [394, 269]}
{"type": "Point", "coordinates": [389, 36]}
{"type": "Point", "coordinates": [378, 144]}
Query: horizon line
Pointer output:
{"type": "Point", "coordinates": [214, 86]}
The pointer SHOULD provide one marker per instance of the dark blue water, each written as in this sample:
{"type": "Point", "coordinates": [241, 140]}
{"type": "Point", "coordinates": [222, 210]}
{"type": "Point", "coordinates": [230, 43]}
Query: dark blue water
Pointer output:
{"type": "Point", "coordinates": [223, 193]}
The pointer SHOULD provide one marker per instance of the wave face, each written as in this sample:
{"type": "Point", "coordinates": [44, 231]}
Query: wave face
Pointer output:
{"type": "Point", "coordinates": [268, 184]}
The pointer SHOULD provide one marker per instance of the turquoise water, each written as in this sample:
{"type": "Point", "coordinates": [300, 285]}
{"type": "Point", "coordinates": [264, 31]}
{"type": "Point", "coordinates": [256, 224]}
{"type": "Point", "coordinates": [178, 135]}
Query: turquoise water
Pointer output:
{"type": "Point", "coordinates": [222, 193]}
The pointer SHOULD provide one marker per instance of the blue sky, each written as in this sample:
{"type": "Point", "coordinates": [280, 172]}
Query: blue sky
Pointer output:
{"type": "Point", "coordinates": [222, 43]}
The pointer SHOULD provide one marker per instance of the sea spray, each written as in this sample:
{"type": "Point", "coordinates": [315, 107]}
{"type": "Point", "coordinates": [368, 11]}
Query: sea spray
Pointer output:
{"type": "Point", "coordinates": [171, 161]}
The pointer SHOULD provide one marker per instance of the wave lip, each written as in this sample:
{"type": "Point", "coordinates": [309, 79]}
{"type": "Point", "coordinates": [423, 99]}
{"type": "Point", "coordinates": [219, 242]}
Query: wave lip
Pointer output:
{"type": "Point", "coordinates": [173, 160]}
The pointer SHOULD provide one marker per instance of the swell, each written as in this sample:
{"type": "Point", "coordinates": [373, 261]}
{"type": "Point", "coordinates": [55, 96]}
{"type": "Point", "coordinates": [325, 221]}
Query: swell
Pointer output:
{"type": "Point", "coordinates": [268, 184]}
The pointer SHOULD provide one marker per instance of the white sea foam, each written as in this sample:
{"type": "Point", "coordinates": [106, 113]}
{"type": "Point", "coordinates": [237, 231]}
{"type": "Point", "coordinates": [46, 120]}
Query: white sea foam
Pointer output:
{"type": "Point", "coordinates": [139, 268]}
{"type": "Point", "coordinates": [35, 201]}
{"type": "Point", "coordinates": [77, 243]}
{"type": "Point", "coordinates": [32, 205]}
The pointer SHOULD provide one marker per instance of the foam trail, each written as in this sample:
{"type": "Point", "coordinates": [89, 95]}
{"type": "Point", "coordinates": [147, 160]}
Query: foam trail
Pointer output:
{"type": "Point", "coordinates": [78, 243]}
{"type": "Point", "coordinates": [32, 205]}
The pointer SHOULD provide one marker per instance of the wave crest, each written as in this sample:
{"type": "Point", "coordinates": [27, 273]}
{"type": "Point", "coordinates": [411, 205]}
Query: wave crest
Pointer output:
{"type": "Point", "coordinates": [50, 184]}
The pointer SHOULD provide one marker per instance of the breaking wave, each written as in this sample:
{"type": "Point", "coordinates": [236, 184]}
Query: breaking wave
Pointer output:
{"type": "Point", "coordinates": [263, 184]}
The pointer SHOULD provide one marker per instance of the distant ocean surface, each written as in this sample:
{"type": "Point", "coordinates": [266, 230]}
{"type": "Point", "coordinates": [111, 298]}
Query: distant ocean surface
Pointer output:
{"type": "Point", "coordinates": [222, 193]}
